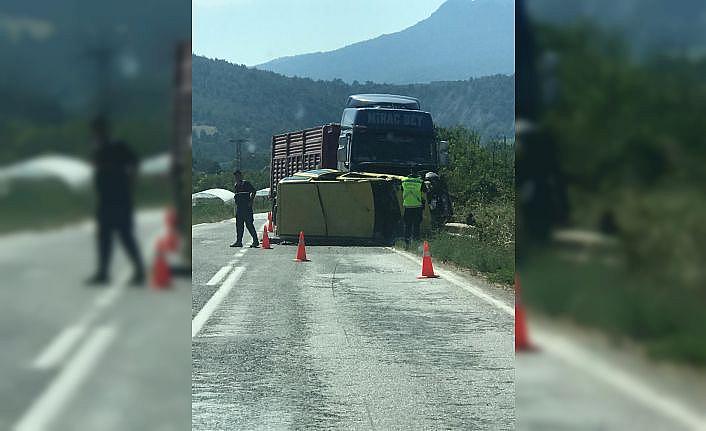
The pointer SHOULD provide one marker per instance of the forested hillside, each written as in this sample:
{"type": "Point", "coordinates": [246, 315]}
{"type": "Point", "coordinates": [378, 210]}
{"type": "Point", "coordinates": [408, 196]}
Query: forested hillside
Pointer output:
{"type": "Point", "coordinates": [250, 104]}
{"type": "Point", "coordinates": [629, 148]}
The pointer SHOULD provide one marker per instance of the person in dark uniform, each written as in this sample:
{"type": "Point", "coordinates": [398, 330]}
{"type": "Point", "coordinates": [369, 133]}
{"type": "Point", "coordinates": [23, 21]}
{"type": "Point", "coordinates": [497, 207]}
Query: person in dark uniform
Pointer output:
{"type": "Point", "coordinates": [115, 168]}
{"type": "Point", "coordinates": [244, 196]}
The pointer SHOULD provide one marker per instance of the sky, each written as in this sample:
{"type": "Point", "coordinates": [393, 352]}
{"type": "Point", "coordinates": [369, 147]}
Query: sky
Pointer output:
{"type": "Point", "coordinates": [252, 32]}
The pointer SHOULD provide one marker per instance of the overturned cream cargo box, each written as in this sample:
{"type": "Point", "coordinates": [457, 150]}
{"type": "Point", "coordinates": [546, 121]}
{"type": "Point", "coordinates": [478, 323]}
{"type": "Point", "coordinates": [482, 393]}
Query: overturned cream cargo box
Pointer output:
{"type": "Point", "coordinates": [338, 207]}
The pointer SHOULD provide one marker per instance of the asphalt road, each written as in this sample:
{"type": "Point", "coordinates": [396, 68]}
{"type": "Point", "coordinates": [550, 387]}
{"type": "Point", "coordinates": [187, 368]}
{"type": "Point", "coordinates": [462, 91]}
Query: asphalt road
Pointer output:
{"type": "Point", "coordinates": [78, 358]}
{"type": "Point", "coordinates": [577, 380]}
{"type": "Point", "coordinates": [350, 340]}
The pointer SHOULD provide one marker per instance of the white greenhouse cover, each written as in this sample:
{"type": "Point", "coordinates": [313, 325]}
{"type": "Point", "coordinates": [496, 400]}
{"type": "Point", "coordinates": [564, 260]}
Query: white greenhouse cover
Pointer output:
{"type": "Point", "coordinates": [73, 171]}
{"type": "Point", "coordinates": [222, 194]}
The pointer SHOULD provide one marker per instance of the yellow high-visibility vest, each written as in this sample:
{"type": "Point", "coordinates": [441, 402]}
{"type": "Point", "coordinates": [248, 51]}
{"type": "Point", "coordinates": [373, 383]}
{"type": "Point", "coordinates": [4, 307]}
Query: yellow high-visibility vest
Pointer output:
{"type": "Point", "coordinates": [412, 192]}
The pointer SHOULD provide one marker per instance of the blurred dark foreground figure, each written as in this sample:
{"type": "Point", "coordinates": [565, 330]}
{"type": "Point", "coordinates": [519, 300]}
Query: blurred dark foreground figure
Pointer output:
{"type": "Point", "coordinates": [244, 196]}
{"type": "Point", "coordinates": [115, 168]}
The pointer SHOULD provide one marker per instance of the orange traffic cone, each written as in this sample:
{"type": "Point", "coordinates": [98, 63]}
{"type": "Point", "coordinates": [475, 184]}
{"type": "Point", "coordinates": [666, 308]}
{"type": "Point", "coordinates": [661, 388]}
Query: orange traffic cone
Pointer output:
{"type": "Point", "coordinates": [427, 267]}
{"type": "Point", "coordinates": [522, 342]}
{"type": "Point", "coordinates": [301, 249]}
{"type": "Point", "coordinates": [161, 274]}
{"type": "Point", "coordinates": [270, 227]}
{"type": "Point", "coordinates": [265, 240]}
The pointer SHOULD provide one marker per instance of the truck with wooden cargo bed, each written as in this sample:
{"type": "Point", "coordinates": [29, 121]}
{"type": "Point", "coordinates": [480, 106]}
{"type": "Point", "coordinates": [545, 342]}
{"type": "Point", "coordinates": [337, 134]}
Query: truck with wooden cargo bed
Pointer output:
{"type": "Point", "coordinates": [341, 181]}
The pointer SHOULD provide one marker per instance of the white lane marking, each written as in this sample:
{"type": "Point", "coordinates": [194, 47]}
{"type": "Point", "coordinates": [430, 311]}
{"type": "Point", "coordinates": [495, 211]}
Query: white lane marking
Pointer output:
{"type": "Point", "coordinates": [205, 313]}
{"type": "Point", "coordinates": [592, 365]}
{"type": "Point", "coordinates": [61, 345]}
{"type": "Point", "coordinates": [218, 276]}
{"type": "Point", "coordinates": [621, 380]}
{"type": "Point", "coordinates": [47, 406]}
{"type": "Point", "coordinates": [464, 284]}
{"type": "Point", "coordinates": [238, 255]}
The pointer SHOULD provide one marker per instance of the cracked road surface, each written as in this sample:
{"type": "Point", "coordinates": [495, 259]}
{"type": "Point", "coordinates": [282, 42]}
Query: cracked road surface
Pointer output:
{"type": "Point", "coordinates": [350, 340]}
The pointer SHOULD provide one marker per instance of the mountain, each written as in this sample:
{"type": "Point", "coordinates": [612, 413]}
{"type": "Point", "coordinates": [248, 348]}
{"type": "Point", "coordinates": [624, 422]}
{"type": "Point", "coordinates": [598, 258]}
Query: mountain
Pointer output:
{"type": "Point", "coordinates": [461, 40]}
{"type": "Point", "coordinates": [251, 104]}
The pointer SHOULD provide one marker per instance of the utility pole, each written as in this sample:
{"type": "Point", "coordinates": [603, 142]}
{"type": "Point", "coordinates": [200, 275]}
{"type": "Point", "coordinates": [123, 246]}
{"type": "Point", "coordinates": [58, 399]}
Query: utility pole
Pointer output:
{"type": "Point", "coordinates": [238, 152]}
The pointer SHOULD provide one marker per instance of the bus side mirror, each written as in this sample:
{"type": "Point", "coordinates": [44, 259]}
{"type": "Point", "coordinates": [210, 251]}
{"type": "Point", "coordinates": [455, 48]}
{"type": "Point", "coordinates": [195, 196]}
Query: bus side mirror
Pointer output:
{"type": "Point", "coordinates": [443, 153]}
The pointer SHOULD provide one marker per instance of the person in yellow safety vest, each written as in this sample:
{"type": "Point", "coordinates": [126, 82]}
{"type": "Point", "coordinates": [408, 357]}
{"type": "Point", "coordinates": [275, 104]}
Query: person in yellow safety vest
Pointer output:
{"type": "Point", "coordinates": [412, 192]}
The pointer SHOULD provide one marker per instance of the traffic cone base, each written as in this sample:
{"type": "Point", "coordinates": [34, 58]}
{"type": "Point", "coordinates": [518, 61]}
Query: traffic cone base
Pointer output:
{"type": "Point", "coordinates": [522, 341]}
{"type": "Point", "coordinates": [265, 240]}
{"type": "Point", "coordinates": [427, 266]}
{"type": "Point", "coordinates": [301, 250]}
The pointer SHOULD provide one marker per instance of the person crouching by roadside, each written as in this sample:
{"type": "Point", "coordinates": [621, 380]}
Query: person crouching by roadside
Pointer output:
{"type": "Point", "coordinates": [440, 208]}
